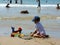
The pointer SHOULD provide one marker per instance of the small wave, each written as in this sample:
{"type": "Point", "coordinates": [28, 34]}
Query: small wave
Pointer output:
{"type": "Point", "coordinates": [50, 17]}
{"type": "Point", "coordinates": [19, 5]}
{"type": "Point", "coordinates": [7, 18]}
{"type": "Point", "coordinates": [15, 18]}
{"type": "Point", "coordinates": [58, 18]}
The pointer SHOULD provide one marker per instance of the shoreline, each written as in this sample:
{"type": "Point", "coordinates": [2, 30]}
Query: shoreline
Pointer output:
{"type": "Point", "coordinates": [24, 5]}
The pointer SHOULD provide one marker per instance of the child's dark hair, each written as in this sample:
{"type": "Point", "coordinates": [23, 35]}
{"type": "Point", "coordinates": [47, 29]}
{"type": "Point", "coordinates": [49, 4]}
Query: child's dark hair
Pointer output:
{"type": "Point", "coordinates": [38, 19]}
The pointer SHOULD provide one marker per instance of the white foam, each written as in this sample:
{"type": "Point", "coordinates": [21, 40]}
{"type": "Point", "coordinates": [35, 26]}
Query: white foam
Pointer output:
{"type": "Point", "coordinates": [19, 5]}
{"type": "Point", "coordinates": [48, 5]}
{"type": "Point", "coordinates": [58, 18]}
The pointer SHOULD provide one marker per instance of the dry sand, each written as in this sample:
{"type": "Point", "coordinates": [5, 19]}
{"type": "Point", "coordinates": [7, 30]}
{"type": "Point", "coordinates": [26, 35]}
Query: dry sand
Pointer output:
{"type": "Point", "coordinates": [34, 41]}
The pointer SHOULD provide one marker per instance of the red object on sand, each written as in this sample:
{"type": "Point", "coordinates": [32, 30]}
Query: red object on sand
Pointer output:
{"type": "Point", "coordinates": [19, 28]}
{"type": "Point", "coordinates": [12, 35]}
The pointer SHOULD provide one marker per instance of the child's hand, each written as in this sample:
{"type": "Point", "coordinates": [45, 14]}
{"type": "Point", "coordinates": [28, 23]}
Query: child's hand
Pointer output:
{"type": "Point", "coordinates": [31, 35]}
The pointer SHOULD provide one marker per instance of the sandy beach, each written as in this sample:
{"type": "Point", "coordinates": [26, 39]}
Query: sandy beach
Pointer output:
{"type": "Point", "coordinates": [34, 41]}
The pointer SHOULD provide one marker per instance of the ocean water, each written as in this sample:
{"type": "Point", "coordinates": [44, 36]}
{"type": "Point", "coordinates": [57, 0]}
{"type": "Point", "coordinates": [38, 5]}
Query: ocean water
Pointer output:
{"type": "Point", "coordinates": [32, 1]}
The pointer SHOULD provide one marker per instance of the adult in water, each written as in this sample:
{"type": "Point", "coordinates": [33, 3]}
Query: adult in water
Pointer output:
{"type": "Point", "coordinates": [58, 7]}
{"type": "Point", "coordinates": [16, 1]}
{"type": "Point", "coordinates": [21, 1]}
{"type": "Point", "coordinates": [38, 3]}
{"type": "Point", "coordinates": [10, 1]}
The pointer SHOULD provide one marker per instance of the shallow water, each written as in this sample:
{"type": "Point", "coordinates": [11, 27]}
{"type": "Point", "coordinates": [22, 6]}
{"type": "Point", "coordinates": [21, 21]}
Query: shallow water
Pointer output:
{"type": "Point", "coordinates": [32, 1]}
{"type": "Point", "coordinates": [50, 19]}
{"type": "Point", "coordinates": [15, 11]}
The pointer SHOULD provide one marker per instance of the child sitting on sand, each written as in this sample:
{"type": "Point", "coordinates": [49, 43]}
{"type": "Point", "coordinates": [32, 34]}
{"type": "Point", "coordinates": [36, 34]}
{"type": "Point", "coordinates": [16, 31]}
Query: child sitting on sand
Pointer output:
{"type": "Point", "coordinates": [39, 32]}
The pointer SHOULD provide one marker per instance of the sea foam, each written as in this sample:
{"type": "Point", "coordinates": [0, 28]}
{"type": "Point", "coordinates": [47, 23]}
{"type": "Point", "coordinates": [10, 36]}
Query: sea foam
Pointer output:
{"type": "Point", "coordinates": [19, 5]}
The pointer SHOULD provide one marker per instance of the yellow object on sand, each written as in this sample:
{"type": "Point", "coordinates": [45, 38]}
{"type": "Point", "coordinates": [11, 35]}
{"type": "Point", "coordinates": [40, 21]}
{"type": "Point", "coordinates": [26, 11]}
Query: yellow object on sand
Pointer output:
{"type": "Point", "coordinates": [21, 35]}
{"type": "Point", "coordinates": [18, 35]}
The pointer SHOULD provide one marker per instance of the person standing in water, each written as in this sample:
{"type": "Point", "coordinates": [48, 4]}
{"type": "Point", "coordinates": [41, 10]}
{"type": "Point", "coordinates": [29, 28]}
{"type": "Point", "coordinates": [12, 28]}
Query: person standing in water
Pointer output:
{"type": "Point", "coordinates": [10, 1]}
{"type": "Point", "coordinates": [21, 1]}
{"type": "Point", "coordinates": [38, 3]}
{"type": "Point", "coordinates": [16, 1]}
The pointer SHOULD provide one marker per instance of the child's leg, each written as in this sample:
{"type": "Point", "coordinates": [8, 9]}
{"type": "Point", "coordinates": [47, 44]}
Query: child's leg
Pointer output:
{"type": "Point", "coordinates": [38, 35]}
{"type": "Point", "coordinates": [42, 35]}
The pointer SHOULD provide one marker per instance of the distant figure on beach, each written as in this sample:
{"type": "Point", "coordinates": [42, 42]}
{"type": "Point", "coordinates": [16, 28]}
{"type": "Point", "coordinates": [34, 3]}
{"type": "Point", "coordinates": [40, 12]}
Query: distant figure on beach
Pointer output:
{"type": "Point", "coordinates": [21, 1]}
{"type": "Point", "coordinates": [10, 1]}
{"type": "Point", "coordinates": [13, 29]}
{"type": "Point", "coordinates": [16, 1]}
{"type": "Point", "coordinates": [46, 1]}
{"type": "Point", "coordinates": [39, 32]}
{"type": "Point", "coordinates": [7, 6]}
{"type": "Point", "coordinates": [58, 7]}
{"type": "Point", "coordinates": [38, 3]}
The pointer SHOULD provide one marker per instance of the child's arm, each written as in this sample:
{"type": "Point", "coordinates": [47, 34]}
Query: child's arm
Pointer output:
{"type": "Point", "coordinates": [34, 32]}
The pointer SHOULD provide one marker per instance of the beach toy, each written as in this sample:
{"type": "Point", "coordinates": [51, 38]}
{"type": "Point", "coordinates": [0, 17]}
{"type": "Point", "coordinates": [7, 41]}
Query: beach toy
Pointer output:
{"type": "Point", "coordinates": [13, 28]}
{"type": "Point", "coordinates": [21, 35]}
{"type": "Point", "coordinates": [16, 35]}
{"type": "Point", "coordinates": [12, 35]}
{"type": "Point", "coordinates": [19, 28]}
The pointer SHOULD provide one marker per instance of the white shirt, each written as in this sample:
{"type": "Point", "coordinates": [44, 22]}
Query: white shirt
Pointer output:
{"type": "Point", "coordinates": [40, 28]}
